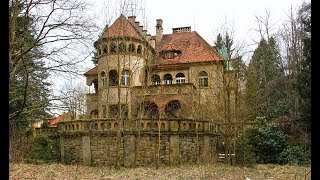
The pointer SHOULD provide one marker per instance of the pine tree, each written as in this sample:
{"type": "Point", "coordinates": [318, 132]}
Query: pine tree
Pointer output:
{"type": "Point", "coordinates": [28, 90]}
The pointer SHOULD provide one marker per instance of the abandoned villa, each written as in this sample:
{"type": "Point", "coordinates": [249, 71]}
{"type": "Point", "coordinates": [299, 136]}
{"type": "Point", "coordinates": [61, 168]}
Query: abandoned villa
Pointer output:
{"type": "Point", "coordinates": [158, 99]}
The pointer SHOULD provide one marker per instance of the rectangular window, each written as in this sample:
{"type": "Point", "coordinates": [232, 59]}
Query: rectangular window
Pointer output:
{"type": "Point", "coordinates": [203, 81]}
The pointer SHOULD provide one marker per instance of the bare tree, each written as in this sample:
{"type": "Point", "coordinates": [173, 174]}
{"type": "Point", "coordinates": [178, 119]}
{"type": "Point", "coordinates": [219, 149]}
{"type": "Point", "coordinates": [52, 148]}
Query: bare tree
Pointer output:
{"type": "Point", "coordinates": [60, 29]}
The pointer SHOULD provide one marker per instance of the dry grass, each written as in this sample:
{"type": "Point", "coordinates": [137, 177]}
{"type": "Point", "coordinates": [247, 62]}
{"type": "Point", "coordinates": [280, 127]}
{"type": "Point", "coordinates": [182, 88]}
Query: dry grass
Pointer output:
{"type": "Point", "coordinates": [192, 172]}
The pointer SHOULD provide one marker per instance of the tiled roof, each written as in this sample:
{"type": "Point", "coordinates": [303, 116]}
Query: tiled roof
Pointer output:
{"type": "Point", "coordinates": [192, 46]}
{"type": "Point", "coordinates": [122, 27]}
{"type": "Point", "coordinates": [93, 71]}
{"type": "Point", "coordinates": [55, 121]}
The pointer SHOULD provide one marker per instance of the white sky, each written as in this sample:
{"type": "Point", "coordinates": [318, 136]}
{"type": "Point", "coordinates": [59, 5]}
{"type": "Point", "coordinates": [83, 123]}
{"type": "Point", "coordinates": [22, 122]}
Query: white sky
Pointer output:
{"type": "Point", "coordinates": [205, 16]}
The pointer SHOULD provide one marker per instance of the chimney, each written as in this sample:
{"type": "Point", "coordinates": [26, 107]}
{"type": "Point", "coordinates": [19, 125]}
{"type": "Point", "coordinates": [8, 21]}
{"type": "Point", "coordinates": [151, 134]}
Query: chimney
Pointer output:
{"type": "Point", "coordinates": [141, 28]}
{"type": "Point", "coordinates": [137, 24]}
{"type": "Point", "coordinates": [159, 31]}
{"type": "Point", "coordinates": [132, 19]}
{"type": "Point", "coordinates": [144, 32]}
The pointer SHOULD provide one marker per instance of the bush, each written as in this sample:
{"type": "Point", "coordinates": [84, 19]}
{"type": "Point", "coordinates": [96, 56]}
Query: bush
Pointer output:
{"type": "Point", "coordinates": [41, 150]}
{"type": "Point", "coordinates": [266, 140]}
{"type": "Point", "coordinates": [244, 152]}
{"type": "Point", "coordinates": [292, 155]}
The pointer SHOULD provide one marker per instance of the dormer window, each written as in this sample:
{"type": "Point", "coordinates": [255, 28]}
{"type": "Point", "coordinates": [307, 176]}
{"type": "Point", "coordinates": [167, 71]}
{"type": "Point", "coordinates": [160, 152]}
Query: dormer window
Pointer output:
{"type": "Point", "coordinates": [168, 55]}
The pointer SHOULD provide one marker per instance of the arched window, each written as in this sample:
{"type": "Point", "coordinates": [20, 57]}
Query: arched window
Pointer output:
{"type": "Point", "coordinates": [105, 49]}
{"type": "Point", "coordinates": [167, 79]}
{"type": "Point", "coordinates": [173, 109]}
{"type": "Point", "coordinates": [125, 78]}
{"type": "Point", "coordinates": [155, 79]}
{"type": "Point", "coordinates": [139, 50]}
{"type": "Point", "coordinates": [113, 78]}
{"type": "Point", "coordinates": [113, 48]}
{"type": "Point", "coordinates": [203, 79]}
{"type": "Point", "coordinates": [180, 79]}
{"type": "Point", "coordinates": [103, 79]}
{"type": "Point", "coordinates": [132, 48]}
{"type": "Point", "coordinates": [122, 47]}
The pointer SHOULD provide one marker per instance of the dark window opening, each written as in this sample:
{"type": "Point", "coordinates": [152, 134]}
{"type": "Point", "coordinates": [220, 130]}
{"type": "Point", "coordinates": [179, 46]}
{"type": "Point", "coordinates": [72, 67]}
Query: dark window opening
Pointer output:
{"type": "Point", "coordinates": [155, 79]}
{"type": "Point", "coordinates": [113, 48]}
{"type": "Point", "coordinates": [173, 109]}
{"type": "Point", "coordinates": [132, 48]}
{"type": "Point", "coordinates": [139, 50]}
{"type": "Point", "coordinates": [122, 47]}
{"type": "Point", "coordinates": [113, 78]}
{"type": "Point", "coordinates": [167, 79]}
{"type": "Point", "coordinates": [105, 49]}
{"type": "Point", "coordinates": [149, 110]}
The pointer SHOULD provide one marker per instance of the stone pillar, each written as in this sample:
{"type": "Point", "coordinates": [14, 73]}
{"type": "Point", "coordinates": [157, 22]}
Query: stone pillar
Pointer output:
{"type": "Point", "coordinates": [206, 149]}
{"type": "Point", "coordinates": [129, 150]}
{"type": "Point", "coordinates": [174, 150]}
{"type": "Point", "coordinates": [86, 150]}
{"type": "Point", "coordinates": [62, 149]}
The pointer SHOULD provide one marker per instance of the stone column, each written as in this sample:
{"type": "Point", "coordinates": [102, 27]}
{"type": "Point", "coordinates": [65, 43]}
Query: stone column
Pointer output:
{"type": "Point", "coordinates": [62, 149]}
{"type": "Point", "coordinates": [86, 150]}
{"type": "Point", "coordinates": [174, 150]}
{"type": "Point", "coordinates": [129, 150]}
{"type": "Point", "coordinates": [206, 149]}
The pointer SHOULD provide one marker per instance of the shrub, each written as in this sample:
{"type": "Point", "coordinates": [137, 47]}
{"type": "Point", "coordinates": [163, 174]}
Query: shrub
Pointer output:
{"type": "Point", "coordinates": [245, 155]}
{"type": "Point", "coordinates": [41, 150]}
{"type": "Point", "coordinates": [266, 140]}
{"type": "Point", "coordinates": [292, 155]}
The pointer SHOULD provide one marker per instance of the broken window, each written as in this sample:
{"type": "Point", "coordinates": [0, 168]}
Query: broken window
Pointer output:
{"type": "Point", "coordinates": [113, 78]}
{"type": "Point", "coordinates": [180, 79]}
{"type": "Point", "coordinates": [167, 79]}
{"type": "Point", "coordinates": [155, 79]}
{"type": "Point", "coordinates": [125, 78]}
{"type": "Point", "coordinates": [203, 79]}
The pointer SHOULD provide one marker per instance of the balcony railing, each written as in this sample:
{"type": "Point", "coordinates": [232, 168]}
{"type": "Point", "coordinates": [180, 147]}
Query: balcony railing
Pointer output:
{"type": "Point", "coordinates": [185, 88]}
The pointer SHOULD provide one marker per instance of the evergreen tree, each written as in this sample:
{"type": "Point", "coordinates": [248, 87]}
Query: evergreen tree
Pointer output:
{"type": "Point", "coordinates": [264, 86]}
{"type": "Point", "coordinates": [28, 90]}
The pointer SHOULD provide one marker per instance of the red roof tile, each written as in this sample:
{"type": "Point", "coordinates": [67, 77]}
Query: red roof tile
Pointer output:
{"type": "Point", "coordinates": [93, 71]}
{"type": "Point", "coordinates": [122, 27]}
{"type": "Point", "coordinates": [192, 46]}
{"type": "Point", "coordinates": [55, 121]}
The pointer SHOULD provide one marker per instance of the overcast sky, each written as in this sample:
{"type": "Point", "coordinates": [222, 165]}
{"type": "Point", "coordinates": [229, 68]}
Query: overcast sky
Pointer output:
{"type": "Point", "coordinates": [204, 16]}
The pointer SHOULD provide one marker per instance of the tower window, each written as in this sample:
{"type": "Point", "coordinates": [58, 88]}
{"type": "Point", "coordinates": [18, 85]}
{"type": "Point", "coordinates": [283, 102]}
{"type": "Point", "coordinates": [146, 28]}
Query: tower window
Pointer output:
{"type": "Point", "coordinates": [203, 79]}
{"type": "Point", "coordinates": [125, 78]}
